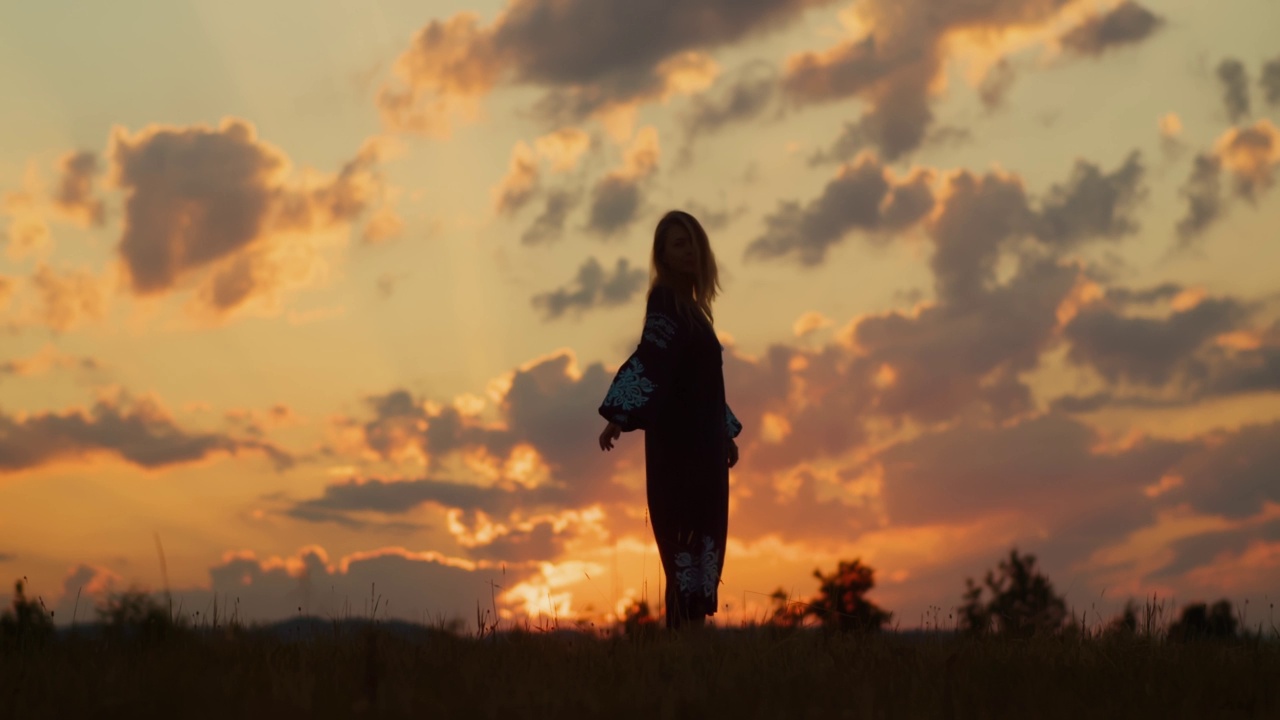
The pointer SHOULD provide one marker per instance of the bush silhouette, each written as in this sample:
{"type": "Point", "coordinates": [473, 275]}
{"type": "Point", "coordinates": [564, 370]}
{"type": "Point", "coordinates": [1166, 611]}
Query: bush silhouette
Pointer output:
{"type": "Point", "coordinates": [1199, 621]}
{"type": "Point", "coordinates": [26, 622]}
{"type": "Point", "coordinates": [841, 603]}
{"type": "Point", "coordinates": [1023, 602]}
{"type": "Point", "coordinates": [136, 614]}
{"type": "Point", "coordinates": [638, 619]}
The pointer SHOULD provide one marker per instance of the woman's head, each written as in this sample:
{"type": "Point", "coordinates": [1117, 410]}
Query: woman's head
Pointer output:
{"type": "Point", "coordinates": [682, 258]}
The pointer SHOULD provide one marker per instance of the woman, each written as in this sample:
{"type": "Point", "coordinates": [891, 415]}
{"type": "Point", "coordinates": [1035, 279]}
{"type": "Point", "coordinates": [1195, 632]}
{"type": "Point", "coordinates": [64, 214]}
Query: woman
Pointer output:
{"type": "Point", "coordinates": [672, 387]}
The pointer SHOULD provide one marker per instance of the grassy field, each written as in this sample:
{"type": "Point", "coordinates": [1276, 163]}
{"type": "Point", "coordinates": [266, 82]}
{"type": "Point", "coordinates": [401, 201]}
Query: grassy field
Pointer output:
{"type": "Point", "coordinates": [367, 670]}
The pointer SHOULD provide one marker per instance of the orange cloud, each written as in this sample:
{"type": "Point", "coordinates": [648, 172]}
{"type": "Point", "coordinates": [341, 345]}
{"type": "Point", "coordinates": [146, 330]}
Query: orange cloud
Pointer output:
{"type": "Point", "coordinates": [47, 358]}
{"type": "Point", "coordinates": [517, 187]}
{"type": "Point", "coordinates": [74, 197]}
{"type": "Point", "coordinates": [809, 323]}
{"type": "Point", "coordinates": [1251, 154]}
{"type": "Point", "coordinates": [28, 232]}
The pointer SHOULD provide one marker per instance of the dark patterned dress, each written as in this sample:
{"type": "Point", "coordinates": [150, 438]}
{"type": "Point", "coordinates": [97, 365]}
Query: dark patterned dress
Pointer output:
{"type": "Point", "coordinates": [672, 387]}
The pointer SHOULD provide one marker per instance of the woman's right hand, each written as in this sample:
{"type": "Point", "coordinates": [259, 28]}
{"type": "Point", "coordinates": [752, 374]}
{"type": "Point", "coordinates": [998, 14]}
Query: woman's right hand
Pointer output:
{"type": "Point", "coordinates": [612, 432]}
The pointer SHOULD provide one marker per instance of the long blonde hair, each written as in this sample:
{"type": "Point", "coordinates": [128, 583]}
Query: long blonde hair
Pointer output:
{"type": "Point", "coordinates": [702, 292]}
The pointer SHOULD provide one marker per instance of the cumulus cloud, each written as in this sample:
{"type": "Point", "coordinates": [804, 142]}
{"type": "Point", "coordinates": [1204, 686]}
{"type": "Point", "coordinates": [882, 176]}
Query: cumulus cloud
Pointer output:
{"type": "Point", "coordinates": [626, 58]}
{"type": "Point", "coordinates": [897, 56]}
{"type": "Point", "coordinates": [1092, 204]}
{"type": "Point", "coordinates": [549, 224]}
{"type": "Point", "coordinates": [47, 358]}
{"type": "Point", "coordinates": [74, 196]}
{"type": "Point", "coordinates": [970, 214]}
{"type": "Point", "coordinates": [592, 287]}
{"type": "Point", "coordinates": [1124, 24]}
{"type": "Point", "coordinates": [1235, 88]}
{"type": "Point", "coordinates": [1270, 81]}
{"type": "Point", "coordinates": [539, 405]}
{"type": "Point", "coordinates": [562, 149]}
{"type": "Point", "coordinates": [617, 198]}
{"type": "Point", "coordinates": [138, 431]}
{"type": "Point", "coordinates": [517, 187]}
{"type": "Point", "coordinates": [1250, 154]}
{"type": "Point", "coordinates": [865, 195]}
{"type": "Point", "coordinates": [66, 300]}
{"type": "Point", "coordinates": [28, 231]}
{"type": "Point", "coordinates": [738, 97]}
{"type": "Point", "coordinates": [1149, 351]}
{"type": "Point", "coordinates": [970, 471]}
{"type": "Point", "coordinates": [995, 85]}
{"type": "Point", "coordinates": [218, 205]}
{"type": "Point", "coordinates": [59, 300]}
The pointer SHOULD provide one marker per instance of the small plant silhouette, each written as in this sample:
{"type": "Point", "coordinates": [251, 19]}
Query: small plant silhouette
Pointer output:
{"type": "Point", "coordinates": [27, 621]}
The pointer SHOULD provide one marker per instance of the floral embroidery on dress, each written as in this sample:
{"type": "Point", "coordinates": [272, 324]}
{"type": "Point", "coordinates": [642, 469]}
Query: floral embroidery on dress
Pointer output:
{"type": "Point", "coordinates": [659, 329]}
{"type": "Point", "coordinates": [631, 388]}
{"type": "Point", "coordinates": [701, 573]}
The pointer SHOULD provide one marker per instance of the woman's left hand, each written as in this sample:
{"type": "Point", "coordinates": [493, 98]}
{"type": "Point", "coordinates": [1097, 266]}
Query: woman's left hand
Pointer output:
{"type": "Point", "coordinates": [732, 453]}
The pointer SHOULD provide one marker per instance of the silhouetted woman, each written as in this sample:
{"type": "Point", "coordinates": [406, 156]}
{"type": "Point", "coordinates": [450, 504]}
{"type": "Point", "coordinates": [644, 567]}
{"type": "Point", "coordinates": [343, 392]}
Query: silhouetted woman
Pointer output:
{"type": "Point", "coordinates": [672, 387]}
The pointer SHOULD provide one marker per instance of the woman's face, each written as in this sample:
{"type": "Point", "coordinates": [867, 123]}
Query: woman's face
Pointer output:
{"type": "Point", "coordinates": [679, 251]}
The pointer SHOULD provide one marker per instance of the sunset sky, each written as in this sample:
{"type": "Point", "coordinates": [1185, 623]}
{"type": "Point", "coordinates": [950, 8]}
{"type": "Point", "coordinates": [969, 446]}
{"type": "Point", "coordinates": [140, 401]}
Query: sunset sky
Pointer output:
{"type": "Point", "coordinates": [324, 295]}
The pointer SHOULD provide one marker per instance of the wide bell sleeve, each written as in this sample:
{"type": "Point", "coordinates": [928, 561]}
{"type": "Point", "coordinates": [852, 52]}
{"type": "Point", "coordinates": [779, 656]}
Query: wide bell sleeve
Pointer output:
{"type": "Point", "coordinates": [642, 384]}
{"type": "Point", "coordinates": [731, 424]}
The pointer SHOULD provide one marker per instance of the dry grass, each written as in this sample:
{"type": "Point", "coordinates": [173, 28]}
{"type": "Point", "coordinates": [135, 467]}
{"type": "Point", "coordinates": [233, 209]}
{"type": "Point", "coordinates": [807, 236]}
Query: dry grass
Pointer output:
{"type": "Point", "coordinates": [738, 673]}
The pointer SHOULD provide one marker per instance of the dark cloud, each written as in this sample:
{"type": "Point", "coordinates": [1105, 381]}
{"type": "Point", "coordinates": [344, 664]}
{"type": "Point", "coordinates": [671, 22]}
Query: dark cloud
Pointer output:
{"type": "Point", "coordinates": [592, 287]}
{"type": "Point", "coordinates": [542, 408]}
{"type": "Point", "coordinates": [979, 216]}
{"type": "Point", "coordinates": [1250, 155]}
{"type": "Point", "coordinates": [1207, 549]}
{"type": "Point", "coordinates": [139, 433]}
{"type": "Point", "coordinates": [894, 64]}
{"type": "Point", "coordinates": [1125, 24]}
{"type": "Point", "coordinates": [618, 197]}
{"type": "Point", "coordinates": [1150, 351]}
{"type": "Point", "coordinates": [1270, 81]}
{"type": "Point", "coordinates": [201, 199]}
{"type": "Point", "coordinates": [615, 204]}
{"type": "Point", "coordinates": [7, 557]}
{"type": "Point", "coordinates": [1232, 473]}
{"type": "Point", "coordinates": [1092, 204]}
{"type": "Point", "coordinates": [588, 54]}
{"type": "Point", "coordinates": [74, 196]}
{"type": "Point", "coordinates": [863, 196]}
{"type": "Point", "coordinates": [1203, 194]}
{"type": "Point", "coordinates": [1235, 88]}
{"type": "Point", "coordinates": [741, 96]}
{"type": "Point", "coordinates": [549, 224]}
{"type": "Point", "coordinates": [967, 472]}
{"type": "Point", "coordinates": [996, 84]}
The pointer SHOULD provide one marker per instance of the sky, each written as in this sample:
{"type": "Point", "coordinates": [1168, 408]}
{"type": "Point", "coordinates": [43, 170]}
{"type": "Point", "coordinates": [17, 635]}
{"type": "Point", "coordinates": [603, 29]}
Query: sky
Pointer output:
{"type": "Point", "coordinates": [306, 306]}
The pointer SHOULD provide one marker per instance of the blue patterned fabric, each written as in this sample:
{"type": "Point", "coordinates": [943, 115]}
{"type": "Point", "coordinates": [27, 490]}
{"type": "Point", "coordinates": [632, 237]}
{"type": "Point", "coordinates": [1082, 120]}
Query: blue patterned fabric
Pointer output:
{"type": "Point", "coordinates": [731, 425]}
